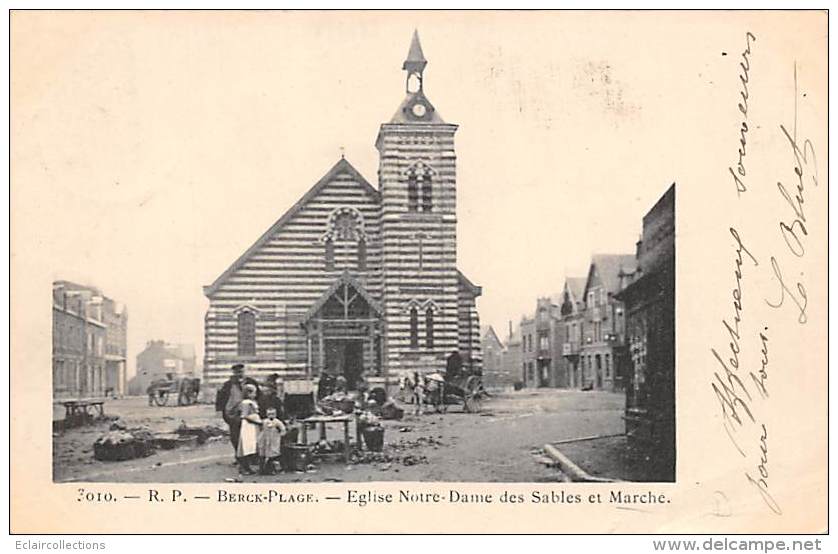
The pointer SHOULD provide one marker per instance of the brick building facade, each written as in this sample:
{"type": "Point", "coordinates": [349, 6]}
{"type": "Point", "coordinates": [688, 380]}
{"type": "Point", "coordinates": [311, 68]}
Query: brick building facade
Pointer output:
{"type": "Point", "coordinates": [89, 340]}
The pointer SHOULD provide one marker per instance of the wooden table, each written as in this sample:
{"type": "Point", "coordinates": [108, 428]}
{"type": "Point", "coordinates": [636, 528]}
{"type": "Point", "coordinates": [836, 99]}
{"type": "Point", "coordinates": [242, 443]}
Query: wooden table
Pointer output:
{"type": "Point", "coordinates": [322, 420]}
{"type": "Point", "coordinates": [79, 411]}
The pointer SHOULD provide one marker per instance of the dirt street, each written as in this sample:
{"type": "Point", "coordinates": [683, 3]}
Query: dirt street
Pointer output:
{"type": "Point", "coordinates": [496, 445]}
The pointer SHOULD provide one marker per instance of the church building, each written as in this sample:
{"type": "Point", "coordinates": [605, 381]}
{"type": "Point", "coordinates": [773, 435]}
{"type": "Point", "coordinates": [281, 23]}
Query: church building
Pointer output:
{"type": "Point", "coordinates": [353, 279]}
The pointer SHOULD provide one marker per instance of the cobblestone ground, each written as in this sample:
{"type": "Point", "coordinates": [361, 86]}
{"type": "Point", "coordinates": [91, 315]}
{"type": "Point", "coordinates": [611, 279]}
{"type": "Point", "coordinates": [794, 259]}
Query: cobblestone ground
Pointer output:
{"type": "Point", "coordinates": [497, 445]}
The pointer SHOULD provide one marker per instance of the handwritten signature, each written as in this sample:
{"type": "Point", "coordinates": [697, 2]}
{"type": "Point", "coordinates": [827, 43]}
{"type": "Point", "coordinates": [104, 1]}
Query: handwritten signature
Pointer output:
{"type": "Point", "coordinates": [794, 230]}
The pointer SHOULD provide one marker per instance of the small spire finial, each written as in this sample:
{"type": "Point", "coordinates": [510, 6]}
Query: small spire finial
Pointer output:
{"type": "Point", "coordinates": [342, 153]}
{"type": "Point", "coordinates": [415, 57]}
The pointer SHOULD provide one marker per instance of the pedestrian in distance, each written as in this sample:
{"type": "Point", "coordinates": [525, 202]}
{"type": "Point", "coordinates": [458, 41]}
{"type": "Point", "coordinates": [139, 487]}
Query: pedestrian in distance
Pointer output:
{"type": "Point", "coordinates": [418, 394]}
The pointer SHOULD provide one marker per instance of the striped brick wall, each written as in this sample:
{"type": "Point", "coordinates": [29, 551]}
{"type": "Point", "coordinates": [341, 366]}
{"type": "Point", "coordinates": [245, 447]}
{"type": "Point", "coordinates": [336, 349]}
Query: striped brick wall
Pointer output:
{"type": "Point", "coordinates": [406, 281]}
{"type": "Point", "coordinates": [284, 275]}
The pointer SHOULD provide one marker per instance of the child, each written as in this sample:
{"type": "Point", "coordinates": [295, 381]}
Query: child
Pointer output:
{"type": "Point", "coordinates": [249, 433]}
{"type": "Point", "coordinates": [270, 438]}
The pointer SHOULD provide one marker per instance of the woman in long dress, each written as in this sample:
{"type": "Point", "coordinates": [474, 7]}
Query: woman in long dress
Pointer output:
{"type": "Point", "coordinates": [249, 434]}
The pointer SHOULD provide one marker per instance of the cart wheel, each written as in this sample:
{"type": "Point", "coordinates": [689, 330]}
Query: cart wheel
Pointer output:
{"type": "Point", "coordinates": [161, 398]}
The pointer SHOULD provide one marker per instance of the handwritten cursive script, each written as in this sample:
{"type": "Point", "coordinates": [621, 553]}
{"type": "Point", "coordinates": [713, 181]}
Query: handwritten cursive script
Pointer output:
{"type": "Point", "coordinates": [742, 370]}
{"type": "Point", "coordinates": [793, 229]}
{"type": "Point", "coordinates": [744, 77]}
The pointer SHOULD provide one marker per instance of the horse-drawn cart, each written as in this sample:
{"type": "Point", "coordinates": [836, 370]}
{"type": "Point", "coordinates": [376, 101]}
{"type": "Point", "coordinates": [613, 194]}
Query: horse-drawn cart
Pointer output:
{"type": "Point", "coordinates": [465, 387]}
{"type": "Point", "coordinates": [185, 388]}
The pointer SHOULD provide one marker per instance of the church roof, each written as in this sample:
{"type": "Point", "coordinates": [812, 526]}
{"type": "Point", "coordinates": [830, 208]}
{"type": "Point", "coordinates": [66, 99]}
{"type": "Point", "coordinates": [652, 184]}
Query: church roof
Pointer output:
{"type": "Point", "coordinates": [475, 290]}
{"type": "Point", "coordinates": [342, 166]}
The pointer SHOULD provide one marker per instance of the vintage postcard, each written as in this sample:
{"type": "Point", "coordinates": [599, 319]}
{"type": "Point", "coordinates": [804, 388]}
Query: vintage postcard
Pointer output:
{"type": "Point", "coordinates": [483, 272]}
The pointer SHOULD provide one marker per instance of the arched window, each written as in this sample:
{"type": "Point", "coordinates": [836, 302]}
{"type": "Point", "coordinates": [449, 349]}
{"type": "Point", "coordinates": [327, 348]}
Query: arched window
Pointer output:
{"type": "Point", "coordinates": [362, 255]}
{"type": "Point", "coordinates": [429, 328]}
{"type": "Point", "coordinates": [330, 255]}
{"type": "Point", "coordinates": [412, 193]}
{"type": "Point", "coordinates": [246, 333]}
{"type": "Point", "coordinates": [414, 328]}
{"type": "Point", "coordinates": [427, 198]}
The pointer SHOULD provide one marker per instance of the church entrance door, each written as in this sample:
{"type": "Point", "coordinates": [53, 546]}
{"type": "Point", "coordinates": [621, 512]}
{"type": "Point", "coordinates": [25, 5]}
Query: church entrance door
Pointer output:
{"type": "Point", "coordinates": [344, 331]}
{"type": "Point", "coordinates": [345, 357]}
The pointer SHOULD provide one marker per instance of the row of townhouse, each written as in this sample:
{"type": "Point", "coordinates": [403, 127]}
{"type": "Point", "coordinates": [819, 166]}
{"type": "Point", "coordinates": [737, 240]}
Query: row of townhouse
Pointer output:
{"type": "Point", "coordinates": [577, 338]}
{"type": "Point", "coordinates": [583, 337]}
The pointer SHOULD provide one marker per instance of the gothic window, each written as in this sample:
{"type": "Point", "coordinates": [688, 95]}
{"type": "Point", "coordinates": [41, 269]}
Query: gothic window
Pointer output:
{"type": "Point", "coordinates": [414, 328]}
{"type": "Point", "coordinates": [345, 225]}
{"type": "Point", "coordinates": [246, 333]}
{"type": "Point", "coordinates": [427, 200]}
{"type": "Point", "coordinates": [412, 193]}
{"type": "Point", "coordinates": [330, 255]}
{"type": "Point", "coordinates": [420, 188]}
{"type": "Point", "coordinates": [362, 255]}
{"type": "Point", "coordinates": [429, 328]}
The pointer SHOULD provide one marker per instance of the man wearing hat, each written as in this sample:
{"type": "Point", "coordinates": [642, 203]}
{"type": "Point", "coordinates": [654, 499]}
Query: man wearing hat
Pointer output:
{"type": "Point", "coordinates": [228, 399]}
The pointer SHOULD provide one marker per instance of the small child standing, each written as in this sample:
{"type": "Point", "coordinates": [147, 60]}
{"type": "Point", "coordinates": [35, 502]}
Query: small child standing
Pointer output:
{"type": "Point", "coordinates": [269, 445]}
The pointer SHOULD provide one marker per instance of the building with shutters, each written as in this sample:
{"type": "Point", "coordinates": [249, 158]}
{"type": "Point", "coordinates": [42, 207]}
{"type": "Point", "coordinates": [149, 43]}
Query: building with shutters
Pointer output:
{"type": "Point", "coordinates": [569, 332]}
{"type": "Point", "coordinates": [603, 357]}
{"type": "Point", "coordinates": [355, 279]}
{"type": "Point", "coordinates": [89, 342]}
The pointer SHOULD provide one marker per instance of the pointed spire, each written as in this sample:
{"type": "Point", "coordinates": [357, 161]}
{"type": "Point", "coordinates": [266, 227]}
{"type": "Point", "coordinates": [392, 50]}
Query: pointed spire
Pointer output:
{"type": "Point", "coordinates": [415, 58]}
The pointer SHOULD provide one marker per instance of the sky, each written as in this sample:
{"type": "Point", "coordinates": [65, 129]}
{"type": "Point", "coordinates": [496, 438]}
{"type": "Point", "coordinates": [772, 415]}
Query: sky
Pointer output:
{"type": "Point", "coordinates": [158, 147]}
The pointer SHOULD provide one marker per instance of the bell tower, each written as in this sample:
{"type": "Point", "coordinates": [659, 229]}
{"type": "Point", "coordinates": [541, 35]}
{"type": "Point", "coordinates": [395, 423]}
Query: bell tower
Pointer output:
{"type": "Point", "coordinates": [414, 65]}
{"type": "Point", "coordinates": [417, 181]}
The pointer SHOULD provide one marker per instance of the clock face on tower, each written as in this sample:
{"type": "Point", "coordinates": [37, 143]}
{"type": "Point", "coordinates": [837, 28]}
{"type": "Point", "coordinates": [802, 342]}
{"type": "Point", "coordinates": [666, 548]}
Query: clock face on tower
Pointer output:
{"type": "Point", "coordinates": [418, 109]}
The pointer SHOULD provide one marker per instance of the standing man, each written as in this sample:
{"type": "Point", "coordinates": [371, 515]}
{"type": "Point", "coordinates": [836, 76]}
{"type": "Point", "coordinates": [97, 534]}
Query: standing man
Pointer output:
{"type": "Point", "coordinates": [228, 399]}
{"type": "Point", "coordinates": [453, 366]}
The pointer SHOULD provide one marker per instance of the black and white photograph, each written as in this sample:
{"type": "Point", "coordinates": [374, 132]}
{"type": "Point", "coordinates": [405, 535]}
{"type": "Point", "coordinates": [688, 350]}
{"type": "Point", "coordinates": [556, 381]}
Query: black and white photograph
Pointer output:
{"type": "Point", "coordinates": [348, 343]}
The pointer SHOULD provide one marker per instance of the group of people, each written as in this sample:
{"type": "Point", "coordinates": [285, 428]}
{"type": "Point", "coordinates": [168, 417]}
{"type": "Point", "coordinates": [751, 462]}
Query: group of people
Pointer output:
{"type": "Point", "coordinates": [430, 388]}
{"type": "Point", "coordinates": [253, 414]}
